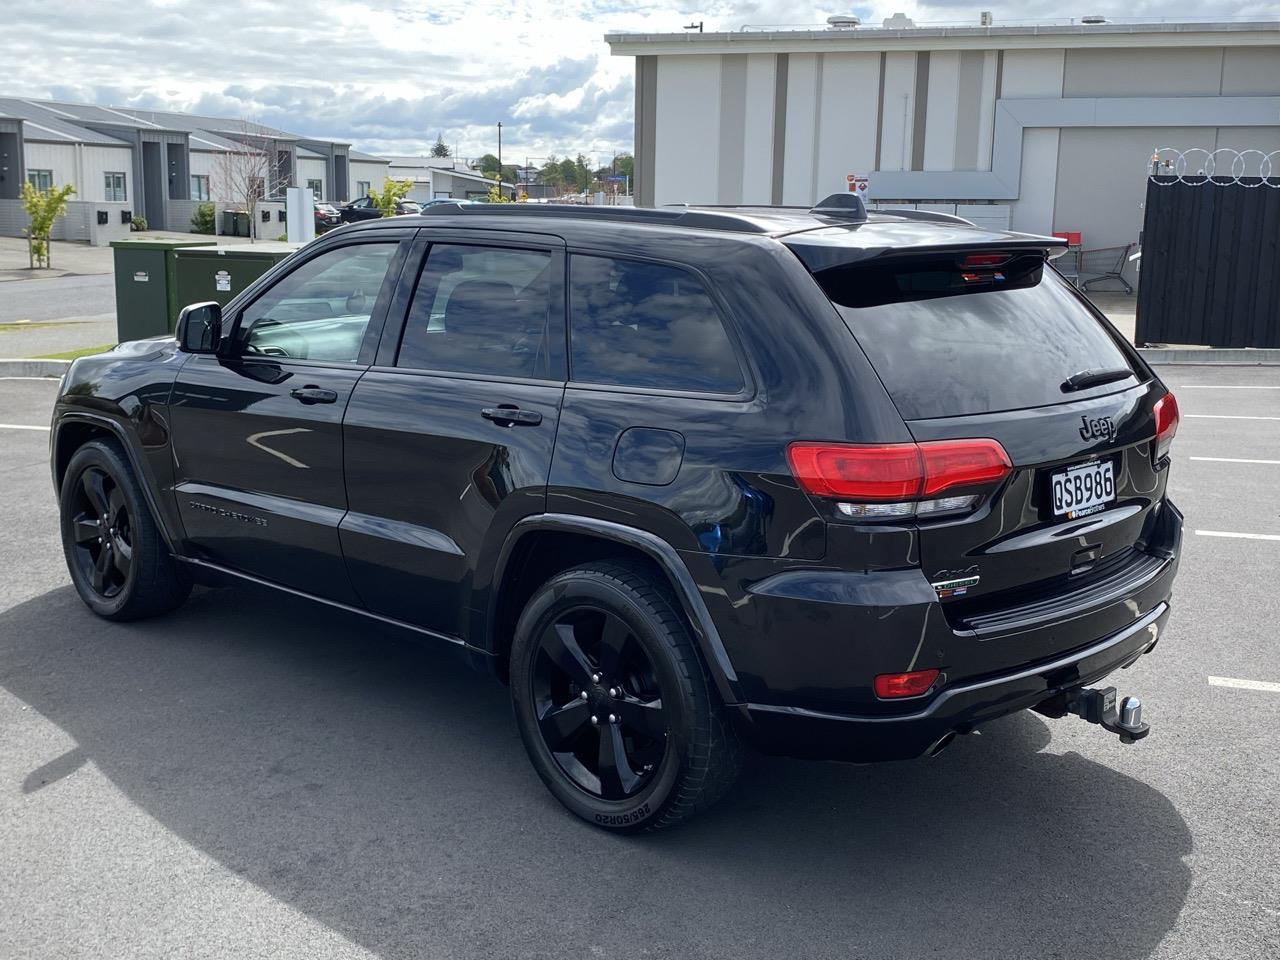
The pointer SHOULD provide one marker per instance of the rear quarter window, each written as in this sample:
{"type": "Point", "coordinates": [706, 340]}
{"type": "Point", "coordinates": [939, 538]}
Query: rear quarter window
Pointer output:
{"type": "Point", "coordinates": [639, 324]}
{"type": "Point", "coordinates": [949, 341]}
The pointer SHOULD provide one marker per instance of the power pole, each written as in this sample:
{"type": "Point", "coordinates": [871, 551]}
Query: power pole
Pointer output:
{"type": "Point", "coordinates": [499, 157]}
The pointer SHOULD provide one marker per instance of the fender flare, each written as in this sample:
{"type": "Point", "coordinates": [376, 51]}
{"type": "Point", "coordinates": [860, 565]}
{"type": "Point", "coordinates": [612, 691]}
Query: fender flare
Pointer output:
{"type": "Point", "coordinates": [668, 560]}
{"type": "Point", "coordinates": [135, 464]}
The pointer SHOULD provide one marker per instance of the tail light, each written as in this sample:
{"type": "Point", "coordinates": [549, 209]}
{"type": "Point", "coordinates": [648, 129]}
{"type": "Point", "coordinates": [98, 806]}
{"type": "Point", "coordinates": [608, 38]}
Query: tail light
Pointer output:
{"type": "Point", "coordinates": [895, 686]}
{"type": "Point", "coordinates": [1166, 413]}
{"type": "Point", "coordinates": [873, 481]}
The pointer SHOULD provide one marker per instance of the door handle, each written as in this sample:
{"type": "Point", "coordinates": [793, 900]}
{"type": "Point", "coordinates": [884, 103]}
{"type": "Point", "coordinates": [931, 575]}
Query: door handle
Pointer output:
{"type": "Point", "coordinates": [507, 415]}
{"type": "Point", "coordinates": [313, 394]}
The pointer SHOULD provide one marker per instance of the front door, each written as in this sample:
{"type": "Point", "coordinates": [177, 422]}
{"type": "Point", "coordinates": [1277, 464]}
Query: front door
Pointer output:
{"type": "Point", "coordinates": [448, 440]}
{"type": "Point", "coordinates": [257, 430]}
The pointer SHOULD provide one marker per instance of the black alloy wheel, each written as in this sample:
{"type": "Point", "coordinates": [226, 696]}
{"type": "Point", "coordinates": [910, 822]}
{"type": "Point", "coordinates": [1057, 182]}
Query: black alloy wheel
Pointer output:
{"type": "Point", "coordinates": [598, 703]}
{"type": "Point", "coordinates": [102, 532]}
{"type": "Point", "coordinates": [614, 703]}
{"type": "Point", "coordinates": [119, 561]}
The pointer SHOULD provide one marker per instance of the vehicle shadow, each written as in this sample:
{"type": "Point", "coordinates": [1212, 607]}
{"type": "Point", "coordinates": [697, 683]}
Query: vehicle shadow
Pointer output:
{"type": "Point", "coordinates": [380, 788]}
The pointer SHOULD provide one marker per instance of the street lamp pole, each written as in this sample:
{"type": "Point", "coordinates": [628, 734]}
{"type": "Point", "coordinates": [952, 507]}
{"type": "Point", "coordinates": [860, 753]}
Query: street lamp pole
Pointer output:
{"type": "Point", "coordinates": [499, 157]}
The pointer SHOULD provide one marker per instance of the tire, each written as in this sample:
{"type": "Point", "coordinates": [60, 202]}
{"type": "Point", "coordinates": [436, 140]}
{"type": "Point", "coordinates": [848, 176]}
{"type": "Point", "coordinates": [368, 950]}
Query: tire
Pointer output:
{"type": "Point", "coordinates": [613, 702]}
{"type": "Point", "coordinates": [129, 573]}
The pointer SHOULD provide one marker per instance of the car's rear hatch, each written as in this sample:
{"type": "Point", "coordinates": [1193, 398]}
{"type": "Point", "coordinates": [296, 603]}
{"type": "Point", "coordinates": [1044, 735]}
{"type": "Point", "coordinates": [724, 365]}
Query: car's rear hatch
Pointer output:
{"type": "Point", "coordinates": [985, 341]}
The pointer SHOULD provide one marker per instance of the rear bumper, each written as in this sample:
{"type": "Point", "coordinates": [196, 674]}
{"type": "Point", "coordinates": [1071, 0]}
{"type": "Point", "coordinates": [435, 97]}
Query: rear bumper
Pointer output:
{"type": "Point", "coordinates": [800, 732]}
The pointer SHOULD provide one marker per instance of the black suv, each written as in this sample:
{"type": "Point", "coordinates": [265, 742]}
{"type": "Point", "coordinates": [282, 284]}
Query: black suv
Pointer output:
{"type": "Point", "coordinates": [837, 485]}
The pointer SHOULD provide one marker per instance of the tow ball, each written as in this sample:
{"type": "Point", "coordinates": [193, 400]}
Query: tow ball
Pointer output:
{"type": "Point", "coordinates": [1099, 706]}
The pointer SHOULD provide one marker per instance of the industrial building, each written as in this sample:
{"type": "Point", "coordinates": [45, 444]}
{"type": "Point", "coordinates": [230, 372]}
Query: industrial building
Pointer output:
{"type": "Point", "coordinates": [126, 163]}
{"type": "Point", "coordinates": [1043, 127]}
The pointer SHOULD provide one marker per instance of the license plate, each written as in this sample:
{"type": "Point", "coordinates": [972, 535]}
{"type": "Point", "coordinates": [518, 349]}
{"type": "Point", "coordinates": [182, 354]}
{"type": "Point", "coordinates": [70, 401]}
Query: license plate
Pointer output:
{"type": "Point", "coordinates": [1083, 489]}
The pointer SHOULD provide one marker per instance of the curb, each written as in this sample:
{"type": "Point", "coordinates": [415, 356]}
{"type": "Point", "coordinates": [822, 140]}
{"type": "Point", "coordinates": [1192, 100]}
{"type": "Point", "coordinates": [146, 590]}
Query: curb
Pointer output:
{"type": "Point", "coordinates": [34, 368]}
{"type": "Point", "coordinates": [1211, 355]}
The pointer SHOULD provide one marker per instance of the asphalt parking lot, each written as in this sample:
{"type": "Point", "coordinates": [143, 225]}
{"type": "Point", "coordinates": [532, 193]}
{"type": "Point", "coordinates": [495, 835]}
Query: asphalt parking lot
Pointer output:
{"type": "Point", "coordinates": [249, 777]}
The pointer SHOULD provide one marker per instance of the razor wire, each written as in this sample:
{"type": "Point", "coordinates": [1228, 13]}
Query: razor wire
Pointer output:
{"type": "Point", "coordinates": [1197, 166]}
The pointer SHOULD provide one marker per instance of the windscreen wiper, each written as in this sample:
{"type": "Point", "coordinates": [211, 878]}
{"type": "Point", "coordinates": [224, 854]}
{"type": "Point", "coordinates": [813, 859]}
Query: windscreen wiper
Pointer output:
{"type": "Point", "coordinates": [1094, 378]}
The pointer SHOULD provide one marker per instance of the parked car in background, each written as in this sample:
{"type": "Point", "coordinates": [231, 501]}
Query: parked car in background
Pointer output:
{"type": "Point", "coordinates": [327, 216]}
{"type": "Point", "coordinates": [366, 209]}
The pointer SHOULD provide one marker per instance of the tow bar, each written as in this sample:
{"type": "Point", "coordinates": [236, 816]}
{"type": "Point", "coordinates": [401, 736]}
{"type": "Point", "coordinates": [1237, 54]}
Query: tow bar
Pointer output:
{"type": "Point", "coordinates": [1099, 706]}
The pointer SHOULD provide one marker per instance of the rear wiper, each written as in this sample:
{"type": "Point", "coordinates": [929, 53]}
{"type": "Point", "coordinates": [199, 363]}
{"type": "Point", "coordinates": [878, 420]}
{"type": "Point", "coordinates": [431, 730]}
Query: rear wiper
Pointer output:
{"type": "Point", "coordinates": [1094, 378]}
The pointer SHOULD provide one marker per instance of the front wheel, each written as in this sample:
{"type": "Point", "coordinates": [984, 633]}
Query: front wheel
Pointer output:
{"type": "Point", "coordinates": [613, 702]}
{"type": "Point", "coordinates": [119, 562]}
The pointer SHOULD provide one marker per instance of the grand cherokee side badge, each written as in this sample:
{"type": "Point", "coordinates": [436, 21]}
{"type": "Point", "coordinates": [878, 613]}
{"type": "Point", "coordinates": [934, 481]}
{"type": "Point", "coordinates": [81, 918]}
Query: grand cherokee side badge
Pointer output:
{"type": "Point", "coordinates": [956, 583]}
{"type": "Point", "coordinates": [226, 514]}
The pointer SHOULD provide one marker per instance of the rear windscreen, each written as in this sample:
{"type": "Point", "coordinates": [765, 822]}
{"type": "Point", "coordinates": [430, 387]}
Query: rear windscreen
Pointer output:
{"type": "Point", "coordinates": [955, 336]}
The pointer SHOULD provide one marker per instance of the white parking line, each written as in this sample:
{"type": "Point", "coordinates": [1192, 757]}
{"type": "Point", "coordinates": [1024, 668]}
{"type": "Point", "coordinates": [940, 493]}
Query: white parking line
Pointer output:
{"type": "Point", "coordinates": [1222, 386]}
{"type": "Point", "coordinates": [42, 379]}
{"type": "Point", "coordinates": [21, 426]}
{"type": "Point", "coordinates": [1266, 685]}
{"type": "Point", "coordinates": [1222, 416]}
{"type": "Point", "coordinates": [1234, 460]}
{"type": "Point", "coordinates": [1241, 536]}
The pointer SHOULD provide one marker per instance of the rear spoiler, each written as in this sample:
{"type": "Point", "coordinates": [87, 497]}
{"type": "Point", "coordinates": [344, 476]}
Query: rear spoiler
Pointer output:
{"type": "Point", "coordinates": [821, 249]}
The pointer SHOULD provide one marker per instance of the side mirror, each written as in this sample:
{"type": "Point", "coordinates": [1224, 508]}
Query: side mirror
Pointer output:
{"type": "Point", "coordinates": [200, 328]}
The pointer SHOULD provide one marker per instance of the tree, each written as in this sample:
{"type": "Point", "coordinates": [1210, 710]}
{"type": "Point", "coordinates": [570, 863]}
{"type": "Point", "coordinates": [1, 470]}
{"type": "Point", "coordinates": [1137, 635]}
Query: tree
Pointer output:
{"type": "Point", "coordinates": [440, 148]}
{"type": "Point", "coordinates": [496, 195]}
{"type": "Point", "coordinates": [625, 165]}
{"type": "Point", "coordinates": [246, 175]}
{"type": "Point", "coordinates": [392, 191]}
{"type": "Point", "coordinates": [488, 165]}
{"type": "Point", "coordinates": [43, 208]}
{"type": "Point", "coordinates": [550, 174]}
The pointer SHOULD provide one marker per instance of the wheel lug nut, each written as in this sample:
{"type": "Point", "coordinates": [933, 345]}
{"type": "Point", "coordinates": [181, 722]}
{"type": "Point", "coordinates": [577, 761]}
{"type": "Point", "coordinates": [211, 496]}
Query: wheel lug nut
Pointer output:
{"type": "Point", "coordinates": [615, 692]}
{"type": "Point", "coordinates": [595, 678]}
{"type": "Point", "coordinates": [613, 718]}
{"type": "Point", "coordinates": [582, 695]}
{"type": "Point", "coordinates": [595, 721]}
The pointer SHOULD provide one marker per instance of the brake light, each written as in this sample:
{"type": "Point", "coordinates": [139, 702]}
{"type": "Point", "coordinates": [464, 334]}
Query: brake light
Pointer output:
{"type": "Point", "coordinates": [872, 481]}
{"type": "Point", "coordinates": [1166, 413]}
{"type": "Point", "coordinates": [985, 259]}
{"type": "Point", "coordinates": [894, 686]}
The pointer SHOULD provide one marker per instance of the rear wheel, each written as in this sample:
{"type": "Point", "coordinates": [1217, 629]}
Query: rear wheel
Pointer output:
{"type": "Point", "coordinates": [613, 702]}
{"type": "Point", "coordinates": [119, 562]}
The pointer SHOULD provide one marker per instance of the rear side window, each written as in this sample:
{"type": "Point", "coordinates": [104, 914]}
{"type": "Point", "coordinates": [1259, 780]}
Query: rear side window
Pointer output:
{"type": "Point", "coordinates": [641, 324]}
{"type": "Point", "coordinates": [951, 337]}
{"type": "Point", "coordinates": [483, 310]}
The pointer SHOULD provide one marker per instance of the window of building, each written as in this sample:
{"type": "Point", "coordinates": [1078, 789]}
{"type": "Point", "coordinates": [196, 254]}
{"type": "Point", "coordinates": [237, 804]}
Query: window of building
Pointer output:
{"type": "Point", "coordinates": [646, 325]}
{"type": "Point", "coordinates": [319, 311]}
{"type": "Point", "coordinates": [40, 179]}
{"type": "Point", "coordinates": [115, 187]}
{"type": "Point", "coordinates": [481, 310]}
{"type": "Point", "coordinates": [317, 188]}
{"type": "Point", "coordinates": [199, 187]}
{"type": "Point", "coordinates": [257, 187]}
{"type": "Point", "coordinates": [363, 188]}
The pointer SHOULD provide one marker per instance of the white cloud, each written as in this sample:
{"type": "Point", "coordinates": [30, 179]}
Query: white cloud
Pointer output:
{"type": "Point", "coordinates": [390, 74]}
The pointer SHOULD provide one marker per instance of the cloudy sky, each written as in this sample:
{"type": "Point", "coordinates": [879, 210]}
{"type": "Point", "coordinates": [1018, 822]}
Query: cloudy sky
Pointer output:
{"type": "Point", "coordinates": [388, 75]}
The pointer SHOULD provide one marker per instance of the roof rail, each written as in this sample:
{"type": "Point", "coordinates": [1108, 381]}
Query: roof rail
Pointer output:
{"type": "Point", "coordinates": [845, 206]}
{"type": "Point", "coordinates": [681, 216]}
{"type": "Point", "coordinates": [908, 214]}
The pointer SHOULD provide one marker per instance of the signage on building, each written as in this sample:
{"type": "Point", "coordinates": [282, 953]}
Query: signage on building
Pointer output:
{"type": "Point", "coordinates": [858, 185]}
{"type": "Point", "coordinates": [222, 281]}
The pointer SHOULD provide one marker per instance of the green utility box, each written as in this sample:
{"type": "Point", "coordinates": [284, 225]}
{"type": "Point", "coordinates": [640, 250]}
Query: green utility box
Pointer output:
{"type": "Point", "coordinates": [219, 273]}
{"type": "Point", "coordinates": [235, 223]}
{"type": "Point", "coordinates": [147, 304]}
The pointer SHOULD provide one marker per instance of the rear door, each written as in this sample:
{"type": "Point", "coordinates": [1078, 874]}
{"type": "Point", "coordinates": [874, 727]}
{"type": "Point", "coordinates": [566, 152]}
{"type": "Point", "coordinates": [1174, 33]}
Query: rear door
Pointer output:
{"type": "Point", "coordinates": [448, 438]}
{"type": "Point", "coordinates": [997, 345]}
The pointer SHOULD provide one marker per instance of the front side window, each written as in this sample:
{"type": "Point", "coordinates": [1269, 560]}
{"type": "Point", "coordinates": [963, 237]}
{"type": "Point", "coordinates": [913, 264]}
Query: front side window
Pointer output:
{"type": "Point", "coordinates": [199, 187]}
{"type": "Point", "coordinates": [40, 179]}
{"type": "Point", "coordinates": [115, 187]}
{"type": "Point", "coordinates": [321, 310]}
{"type": "Point", "coordinates": [485, 310]}
{"type": "Point", "coordinates": [641, 324]}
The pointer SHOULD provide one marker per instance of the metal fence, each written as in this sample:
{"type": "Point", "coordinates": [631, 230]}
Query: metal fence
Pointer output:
{"type": "Point", "coordinates": [1211, 250]}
